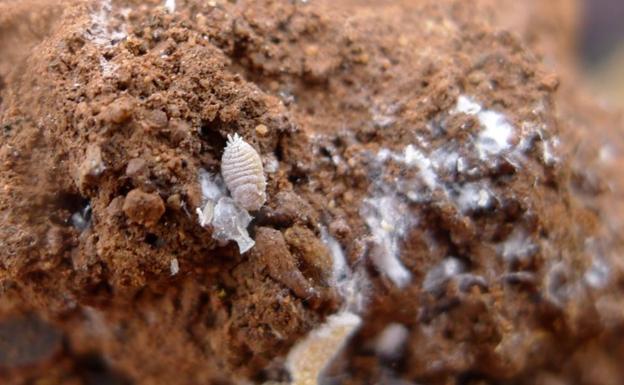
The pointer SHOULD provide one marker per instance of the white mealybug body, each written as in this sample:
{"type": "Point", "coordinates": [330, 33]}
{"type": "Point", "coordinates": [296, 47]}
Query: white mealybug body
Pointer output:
{"type": "Point", "coordinates": [241, 168]}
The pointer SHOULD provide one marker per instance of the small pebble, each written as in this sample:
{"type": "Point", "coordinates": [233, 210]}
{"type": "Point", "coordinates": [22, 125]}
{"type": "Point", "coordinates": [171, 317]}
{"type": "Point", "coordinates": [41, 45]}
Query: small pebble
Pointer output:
{"type": "Point", "coordinates": [136, 168]}
{"type": "Point", "coordinates": [118, 111]}
{"type": "Point", "coordinates": [262, 130]}
{"type": "Point", "coordinates": [156, 119]}
{"type": "Point", "coordinates": [143, 208]}
{"type": "Point", "coordinates": [549, 82]}
{"type": "Point", "coordinates": [175, 202]}
{"type": "Point", "coordinates": [174, 266]}
{"type": "Point", "coordinates": [91, 167]}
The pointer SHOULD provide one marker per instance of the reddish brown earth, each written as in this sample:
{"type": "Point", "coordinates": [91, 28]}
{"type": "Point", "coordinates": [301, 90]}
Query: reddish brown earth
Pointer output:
{"type": "Point", "coordinates": [109, 111]}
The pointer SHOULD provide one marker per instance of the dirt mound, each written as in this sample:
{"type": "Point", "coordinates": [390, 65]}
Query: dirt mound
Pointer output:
{"type": "Point", "coordinates": [421, 181]}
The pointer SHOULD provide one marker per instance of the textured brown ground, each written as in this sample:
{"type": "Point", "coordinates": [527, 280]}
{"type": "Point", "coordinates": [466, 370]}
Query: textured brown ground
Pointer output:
{"type": "Point", "coordinates": [122, 122]}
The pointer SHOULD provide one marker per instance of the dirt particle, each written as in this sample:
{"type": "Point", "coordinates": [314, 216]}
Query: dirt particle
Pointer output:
{"type": "Point", "coordinates": [179, 131]}
{"type": "Point", "coordinates": [262, 130]}
{"type": "Point", "coordinates": [115, 207]}
{"type": "Point", "coordinates": [340, 228]}
{"type": "Point", "coordinates": [55, 240]}
{"type": "Point", "coordinates": [118, 111]}
{"type": "Point", "coordinates": [174, 202]}
{"type": "Point", "coordinates": [290, 208]}
{"type": "Point", "coordinates": [91, 168]}
{"type": "Point", "coordinates": [136, 168]}
{"type": "Point", "coordinates": [362, 58]}
{"type": "Point", "coordinates": [271, 249]}
{"type": "Point", "coordinates": [311, 252]}
{"type": "Point", "coordinates": [549, 82]}
{"type": "Point", "coordinates": [311, 50]}
{"type": "Point", "coordinates": [156, 119]}
{"type": "Point", "coordinates": [143, 208]}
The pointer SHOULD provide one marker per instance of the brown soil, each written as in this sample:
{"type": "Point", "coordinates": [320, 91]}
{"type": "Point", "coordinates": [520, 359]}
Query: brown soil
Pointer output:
{"type": "Point", "coordinates": [109, 111]}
